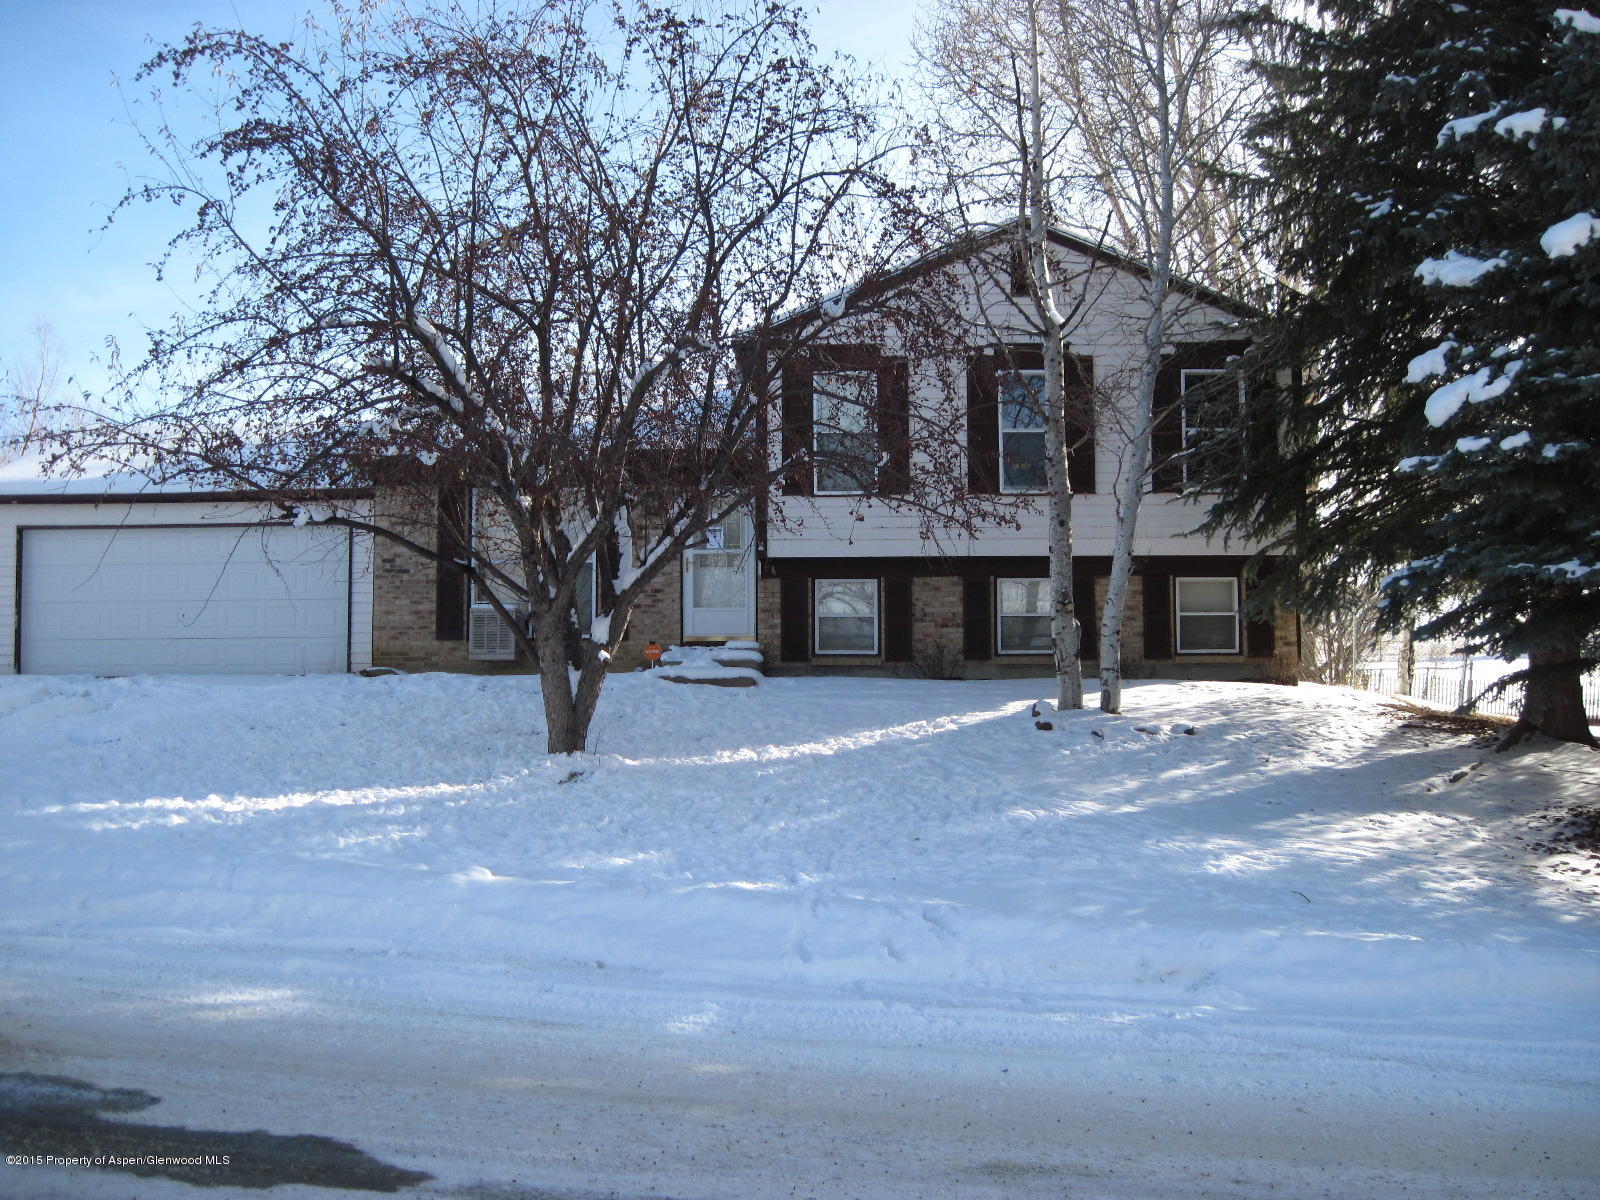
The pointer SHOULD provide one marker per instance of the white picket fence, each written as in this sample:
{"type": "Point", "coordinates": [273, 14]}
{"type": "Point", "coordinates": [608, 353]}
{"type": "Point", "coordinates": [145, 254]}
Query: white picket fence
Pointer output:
{"type": "Point", "coordinates": [1449, 683]}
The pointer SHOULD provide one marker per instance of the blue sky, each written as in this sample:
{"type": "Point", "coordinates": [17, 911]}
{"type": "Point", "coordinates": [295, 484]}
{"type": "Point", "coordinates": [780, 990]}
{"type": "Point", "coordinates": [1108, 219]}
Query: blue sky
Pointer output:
{"type": "Point", "coordinates": [70, 151]}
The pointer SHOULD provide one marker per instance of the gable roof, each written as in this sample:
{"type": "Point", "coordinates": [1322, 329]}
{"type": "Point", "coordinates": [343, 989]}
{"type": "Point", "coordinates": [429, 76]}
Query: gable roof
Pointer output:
{"type": "Point", "coordinates": [983, 237]}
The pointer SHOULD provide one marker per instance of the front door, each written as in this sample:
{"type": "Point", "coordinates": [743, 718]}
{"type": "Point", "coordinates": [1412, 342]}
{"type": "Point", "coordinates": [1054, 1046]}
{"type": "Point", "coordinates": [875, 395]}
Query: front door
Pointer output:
{"type": "Point", "coordinates": [719, 582]}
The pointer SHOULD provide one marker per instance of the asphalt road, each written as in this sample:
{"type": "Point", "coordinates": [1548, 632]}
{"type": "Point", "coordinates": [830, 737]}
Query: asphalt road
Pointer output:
{"type": "Point", "coordinates": [538, 1092]}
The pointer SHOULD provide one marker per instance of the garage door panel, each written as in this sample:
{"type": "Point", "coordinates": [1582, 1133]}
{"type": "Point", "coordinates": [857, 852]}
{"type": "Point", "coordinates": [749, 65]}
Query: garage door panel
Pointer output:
{"type": "Point", "coordinates": [194, 601]}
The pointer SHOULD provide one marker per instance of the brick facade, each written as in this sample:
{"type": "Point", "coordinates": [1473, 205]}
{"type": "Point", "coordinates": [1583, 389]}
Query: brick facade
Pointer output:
{"type": "Point", "coordinates": [937, 637]}
{"type": "Point", "coordinates": [405, 635]}
{"type": "Point", "coordinates": [405, 585]}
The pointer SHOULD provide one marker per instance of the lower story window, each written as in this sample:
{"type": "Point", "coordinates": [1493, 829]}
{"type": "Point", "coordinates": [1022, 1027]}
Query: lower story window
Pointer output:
{"type": "Point", "coordinates": [1208, 616]}
{"type": "Point", "coordinates": [1022, 610]}
{"type": "Point", "coordinates": [846, 616]}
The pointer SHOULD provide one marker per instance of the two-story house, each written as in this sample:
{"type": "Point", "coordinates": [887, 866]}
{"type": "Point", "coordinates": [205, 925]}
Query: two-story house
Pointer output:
{"type": "Point", "coordinates": [845, 568]}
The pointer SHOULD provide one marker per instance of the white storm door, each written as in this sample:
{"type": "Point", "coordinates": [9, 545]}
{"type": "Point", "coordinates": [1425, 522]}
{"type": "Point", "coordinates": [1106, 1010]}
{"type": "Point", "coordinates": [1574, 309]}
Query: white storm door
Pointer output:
{"type": "Point", "coordinates": [719, 583]}
{"type": "Point", "coordinates": [185, 600]}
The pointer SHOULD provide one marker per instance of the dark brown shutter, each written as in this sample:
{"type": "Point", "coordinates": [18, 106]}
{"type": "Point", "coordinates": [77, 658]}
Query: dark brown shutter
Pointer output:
{"type": "Point", "coordinates": [1157, 616]}
{"type": "Point", "coordinates": [977, 615]}
{"type": "Point", "coordinates": [797, 427]}
{"type": "Point", "coordinates": [1264, 403]}
{"type": "Point", "coordinates": [1088, 618]}
{"type": "Point", "coordinates": [1260, 639]}
{"type": "Point", "coordinates": [1080, 424]}
{"type": "Point", "coordinates": [897, 619]}
{"type": "Point", "coordinates": [450, 581]}
{"type": "Point", "coordinates": [1166, 437]}
{"type": "Point", "coordinates": [794, 619]}
{"type": "Point", "coordinates": [1260, 635]}
{"type": "Point", "coordinates": [1019, 271]}
{"type": "Point", "coordinates": [1166, 428]}
{"type": "Point", "coordinates": [894, 427]}
{"type": "Point", "coordinates": [983, 427]}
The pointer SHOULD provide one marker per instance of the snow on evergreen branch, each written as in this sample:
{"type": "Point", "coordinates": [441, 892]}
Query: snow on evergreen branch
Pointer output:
{"type": "Point", "coordinates": [1430, 363]}
{"type": "Point", "coordinates": [1481, 385]}
{"type": "Point", "coordinates": [1569, 236]}
{"type": "Point", "coordinates": [1466, 126]}
{"type": "Point", "coordinates": [1577, 19]}
{"type": "Point", "coordinates": [1526, 124]}
{"type": "Point", "coordinates": [1456, 269]}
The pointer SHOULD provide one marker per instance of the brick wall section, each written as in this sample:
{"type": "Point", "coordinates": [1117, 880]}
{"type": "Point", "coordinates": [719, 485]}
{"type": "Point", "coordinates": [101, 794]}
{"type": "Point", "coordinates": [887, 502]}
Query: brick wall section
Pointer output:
{"type": "Point", "coordinates": [767, 631]}
{"type": "Point", "coordinates": [403, 594]}
{"type": "Point", "coordinates": [403, 624]}
{"type": "Point", "coordinates": [937, 624]}
{"type": "Point", "coordinates": [403, 590]}
{"type": "Point", "coordinates": [656, 618]}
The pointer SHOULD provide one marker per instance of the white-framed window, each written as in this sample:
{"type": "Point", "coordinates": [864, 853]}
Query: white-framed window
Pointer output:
{"type": "Point", "coordinates": [493, 540]}
{"type": "Point", "coordinates": [1208, 616]}
{"type": "Point", "coordinates": [1201, 418]}
{"type": "Point", "coordinates": [846, 616]}
{"type": "Point", "coordinates": [1022, 452]}
{"type": "Point", "coordinates": [731, 534]}
{"type": "Point", "coordinates": [1022, 616]}
{"type": "Point", "coordinates": [843, 438]}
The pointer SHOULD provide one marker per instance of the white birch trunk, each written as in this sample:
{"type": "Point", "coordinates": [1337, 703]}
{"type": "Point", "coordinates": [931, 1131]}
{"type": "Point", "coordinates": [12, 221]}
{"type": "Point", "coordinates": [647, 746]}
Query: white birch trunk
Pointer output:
{"type": "Point", "coordinates": [1065, 631]}
{"type": "Point", "coordinates": [1136, 462]}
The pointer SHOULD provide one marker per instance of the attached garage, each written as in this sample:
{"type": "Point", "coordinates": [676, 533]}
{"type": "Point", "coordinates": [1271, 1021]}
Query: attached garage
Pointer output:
{"type": "Point", "coordinates": [180, 587]}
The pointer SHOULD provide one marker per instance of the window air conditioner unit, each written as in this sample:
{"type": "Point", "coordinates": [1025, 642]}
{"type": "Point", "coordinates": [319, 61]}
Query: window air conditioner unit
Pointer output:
{"type": "Point", "coordinates": [489, 639]}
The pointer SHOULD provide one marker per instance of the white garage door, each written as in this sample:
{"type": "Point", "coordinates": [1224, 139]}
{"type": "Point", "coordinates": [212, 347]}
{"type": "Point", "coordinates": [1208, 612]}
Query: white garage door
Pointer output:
{"type": "Point", "coordinates": [187, 600]}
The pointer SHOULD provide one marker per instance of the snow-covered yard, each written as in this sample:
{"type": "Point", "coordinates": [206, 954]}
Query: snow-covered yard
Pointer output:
{"type": "Point", "coordinates": [854, 869]}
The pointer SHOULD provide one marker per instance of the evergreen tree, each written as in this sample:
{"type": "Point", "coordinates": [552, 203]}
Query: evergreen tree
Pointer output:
{"type": "Point", "coordinates": [1430, 188]}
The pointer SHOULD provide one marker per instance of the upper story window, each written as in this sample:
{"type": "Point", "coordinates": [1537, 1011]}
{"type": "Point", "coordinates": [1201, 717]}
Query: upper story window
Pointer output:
{"type": "Point", "coordinates": [1022, 444]}
{"type": "Point", "coordinates": [1208, 616]}
{"type": "Point", "coordinates": [844, 440]}
{"type": "Point", "coordinates": [1204, 393]}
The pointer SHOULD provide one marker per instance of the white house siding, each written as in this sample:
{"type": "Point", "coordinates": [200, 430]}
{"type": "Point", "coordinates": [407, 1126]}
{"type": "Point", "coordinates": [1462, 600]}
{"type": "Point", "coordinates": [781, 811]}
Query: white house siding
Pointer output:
{"type": "Point", "coordinates": [826, 526]}
{"type": "Point", "coordinates": [1111, 333]}
{"type": "Point", "coordinates": [81, 511]}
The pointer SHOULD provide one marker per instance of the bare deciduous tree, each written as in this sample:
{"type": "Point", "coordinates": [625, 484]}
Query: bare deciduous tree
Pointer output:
{"type": "Point", "coordinates": [1005, 143]}
{"type": "Point", "coordinates": [1109, 114]}
{"type": "Point", "coordinates": [545, 255]}
{"type": "Point", "coordinates": [1161, 92]}
{"type": "Point", "coordinates": [28, 393]}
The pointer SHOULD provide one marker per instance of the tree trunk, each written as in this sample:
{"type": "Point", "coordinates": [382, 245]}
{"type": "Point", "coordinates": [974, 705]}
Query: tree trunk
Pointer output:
{"type": "Point", "coordinates": [565, 721]}
{"type": "Point", "coordinates": [1553, 702]}
{"type": "Point", "coordinates": [1407, 667]}
{"type": "Point", "coordinates": [1066, 634]}
{"type": "Point", "coordinates": [1130, 494]}
{"type": "Point", "coordinates": [1136, 461]}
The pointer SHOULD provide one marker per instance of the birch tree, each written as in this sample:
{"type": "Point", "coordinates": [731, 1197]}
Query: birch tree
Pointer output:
{"type": "Point", "coordinates": [539, 256]}
{"type": "Point", "coordinates": [1007, 141]}
{"type": "Point", "coordinates": [1162, 97]}
{"type": "Point", "coordinates": [1116, 115]}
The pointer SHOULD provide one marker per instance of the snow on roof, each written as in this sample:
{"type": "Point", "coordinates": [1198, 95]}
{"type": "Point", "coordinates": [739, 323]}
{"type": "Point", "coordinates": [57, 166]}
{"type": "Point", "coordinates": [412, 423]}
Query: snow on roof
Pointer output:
{"type": "Point", "coordinates": [26, 477]}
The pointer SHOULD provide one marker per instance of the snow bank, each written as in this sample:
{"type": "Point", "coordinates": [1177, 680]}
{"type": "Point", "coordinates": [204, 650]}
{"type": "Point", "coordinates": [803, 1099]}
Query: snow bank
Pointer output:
{"type": "Point", "coordinates": [1300, 852]}
{"type": "Point", "coordinates": [707, 663]}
